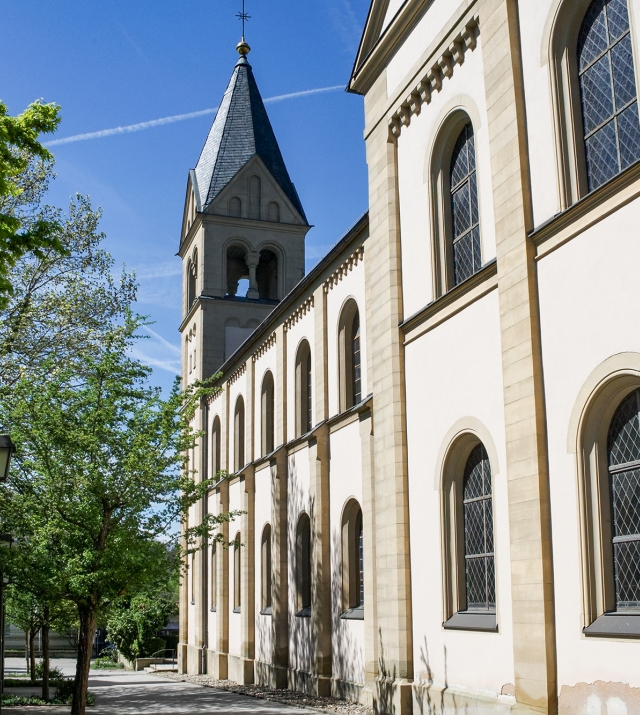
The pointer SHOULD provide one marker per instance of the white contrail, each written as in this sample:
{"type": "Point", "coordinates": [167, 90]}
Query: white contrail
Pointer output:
{"type": "Point", "coordinates": [176, 118]}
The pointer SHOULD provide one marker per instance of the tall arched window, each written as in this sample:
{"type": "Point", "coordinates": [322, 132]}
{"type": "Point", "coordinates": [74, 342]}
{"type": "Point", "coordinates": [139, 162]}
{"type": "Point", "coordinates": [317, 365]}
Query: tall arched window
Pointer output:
{"type": "Point", "coordinates": [303, 565]}
{"type": "Point", "coordinates": [192, 280]}
{"type": "Point", "coordinates": [304, 390]}
{"type": "Point", "coordinates": [623, 450]}
{"type": "Point", "coordinates": [465, 219]}
{"type": "Point", "coordinates": [274, 212]}
{"type": "Point", "coordinates": [255, 197]}
{"type": "Point", "coordinates": [607, 91]}
{"type": "Point", "coordinates": [350, 360]}
{"type": "Point", "coordinates": [214, 575]}
{"type": "Point", "coordinates": [480, 575]}
{"type": "Point", "coordinates": [238, 434]}
{"type": "Point", "coordinates": [215, 446]}
{"type": "Point", "coordinates": [267, 413]}
{"type": "Point", "coordinates": [352, 561]}
{"type": "Point", "coordinates": [265, 563]}
{"type": "Point", "coordinates": [235, 207]}
{"type": "Point", "coordinates": [237, 575]}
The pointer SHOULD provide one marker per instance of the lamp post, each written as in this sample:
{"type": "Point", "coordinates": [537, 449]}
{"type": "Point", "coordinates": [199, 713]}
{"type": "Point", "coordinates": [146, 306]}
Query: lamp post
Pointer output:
{"type": "Point", "coordinates": [7, 448]}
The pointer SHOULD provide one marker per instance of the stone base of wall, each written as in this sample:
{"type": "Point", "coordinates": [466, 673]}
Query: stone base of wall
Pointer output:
{"type": "Point", "coordinates": [217, 665]}
{"type": "Point", "coordinates": [241, 670]}
{"type": "Point", "coordinates": [271, 676]}
{"type": "Point", "coordinates": [194, 660]}
{"type": "Point", "coordinates": [304, 682]}
{"type": "Point", "coordinates": [432, 699]}
{"type": "Point", "coordinates": [394, 696]}
{"type": "Point", "coordinates": [346, 690]}
{"type": "Point", "coordinates": [182, 658]}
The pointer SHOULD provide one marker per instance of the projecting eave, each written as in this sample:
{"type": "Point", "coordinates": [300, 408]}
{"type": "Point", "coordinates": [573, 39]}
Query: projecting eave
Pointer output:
{"type": "Point", "coordinates": [378, 46]}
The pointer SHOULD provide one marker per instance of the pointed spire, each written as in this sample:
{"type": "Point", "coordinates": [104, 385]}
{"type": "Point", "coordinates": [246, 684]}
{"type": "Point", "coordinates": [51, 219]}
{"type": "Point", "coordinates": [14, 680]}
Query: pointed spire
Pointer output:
{"type": "Point", "coordinates": [241, 130]}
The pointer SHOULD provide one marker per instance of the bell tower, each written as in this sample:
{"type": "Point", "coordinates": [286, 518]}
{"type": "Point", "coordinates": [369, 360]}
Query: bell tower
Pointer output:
{"type": "Point", "coordinates": [243, 231]}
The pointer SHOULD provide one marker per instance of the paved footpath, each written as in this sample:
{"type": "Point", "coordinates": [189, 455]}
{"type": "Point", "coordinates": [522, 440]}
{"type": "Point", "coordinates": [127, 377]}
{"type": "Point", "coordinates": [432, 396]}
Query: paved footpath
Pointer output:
{"type": "Point", "coordinates": [128, 693]}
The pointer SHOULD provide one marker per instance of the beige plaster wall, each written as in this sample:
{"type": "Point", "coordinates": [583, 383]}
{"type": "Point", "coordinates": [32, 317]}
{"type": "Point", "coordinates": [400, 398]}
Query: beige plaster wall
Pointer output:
{"type": "Point", "coordinates": [589, 305]}
{"type": "Point", "coordinates": [464, 90]}
{"type": "Point", "coordinates": [262, 518]}
{"type": "Point", "coordinates": [236, 503]}
{"type": "Point", "coordinates": [351, 286]}
{"type": "Point", "coordinates": [454, 378]}
{"type": "Point", "coordinates": [346, 484]}
{"type": "Point", "coordinates": [300, 641]}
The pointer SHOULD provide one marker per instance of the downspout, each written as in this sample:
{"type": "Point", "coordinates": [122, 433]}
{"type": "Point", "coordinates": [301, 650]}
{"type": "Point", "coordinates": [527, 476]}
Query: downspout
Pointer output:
{"type": "Point", "coordinates": [205, 543]}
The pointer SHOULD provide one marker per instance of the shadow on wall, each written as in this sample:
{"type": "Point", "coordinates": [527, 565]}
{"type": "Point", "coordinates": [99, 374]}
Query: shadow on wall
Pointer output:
{"type": "Point", "coordinates": [347, 652]}
{"type": "Point", "coordinates": [427, 704]}
{"type": "Point", "coordinates": [300, 637]}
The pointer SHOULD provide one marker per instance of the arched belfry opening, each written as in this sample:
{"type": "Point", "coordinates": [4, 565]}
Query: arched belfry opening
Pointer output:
{"type": "Point", "coordinates": [237, 271]}
{"type": "Point", "coordinates": [267, 275]}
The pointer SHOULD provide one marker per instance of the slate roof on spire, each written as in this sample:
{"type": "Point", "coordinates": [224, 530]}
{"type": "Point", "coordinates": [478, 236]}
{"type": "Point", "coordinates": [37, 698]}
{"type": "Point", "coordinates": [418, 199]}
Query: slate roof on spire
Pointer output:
{"type": "Point", "coordinates": [241, 130]}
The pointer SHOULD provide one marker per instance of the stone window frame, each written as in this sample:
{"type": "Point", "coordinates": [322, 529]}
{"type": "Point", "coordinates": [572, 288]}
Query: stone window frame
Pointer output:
{"type": "Point", "coordinates": [303, 389]}
{"type": "Point", "coordinates": [266, 570]}
{"type": "Point", "coordinates": [216, 441]}
{"type": "Point", "coordinates": [600, 396]}
{"type": "Point", "coordinates": [303, 565]}
{"type": "Point", "coordinates": [239, 420]}
{"type": "Point", "coordinates": [439, 179]}
{"type": "Point", "coordinates": [267, 413]}
{"type": "Point", "coordinates": [192, 280]}
{"type": "Point", "coordinates": [346, 385]}
{"type": "Point", "coordinates": [214, 576]}
{"type": "Point", "coordinates": [459, 442]}
{"type": "Point", "coordinates": [192, 568]}
{"type": "Point", "coordinates": [237, 574]}
{"type": "Point", "coordinates": [560, 44]}
{"type": "Point", "coordinates": [351, 573]}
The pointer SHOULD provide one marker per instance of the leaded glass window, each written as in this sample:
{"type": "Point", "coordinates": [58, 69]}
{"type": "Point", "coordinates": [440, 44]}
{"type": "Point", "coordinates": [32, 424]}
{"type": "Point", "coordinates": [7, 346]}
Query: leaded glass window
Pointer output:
{"type": "Point", "coordinates": [356, 360]}
{"type": "Point", "coordinates": [608, 91]}
{"type": "Point", "coordinates": [309, 388]}
{"type": "Point", "coordinates": [360, 555]}
{"type": "Point", "coordinates": [624, 471]}
{"type": "Point", "coordinates": [465, 221]}
{"type": "Point", "coordinates": [478, 532]}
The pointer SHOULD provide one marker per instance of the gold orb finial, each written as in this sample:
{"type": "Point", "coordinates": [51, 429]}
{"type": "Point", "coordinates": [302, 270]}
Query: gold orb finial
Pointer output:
{"type": "Point", "coordinates": [243, 48]}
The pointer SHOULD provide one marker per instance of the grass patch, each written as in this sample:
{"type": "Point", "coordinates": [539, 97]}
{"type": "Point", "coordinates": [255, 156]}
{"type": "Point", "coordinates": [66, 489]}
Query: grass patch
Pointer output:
{"type": "Point", "coordinates": [106, 664]}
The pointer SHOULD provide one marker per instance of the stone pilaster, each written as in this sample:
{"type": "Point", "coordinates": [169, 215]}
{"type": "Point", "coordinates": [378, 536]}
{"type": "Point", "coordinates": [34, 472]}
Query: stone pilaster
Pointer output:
{"type": "Point", "coordinates": [320, 562]}
{"type": "Point", "coordinates": [250, 414]}
{"type": "Point", "coordinates": [220, 657]}
{"type": "Point", "coordinates": [248, 576]}
{"type": "Point", "coordinates": [183, 639]}
{"type": "Point", "coordinates": [321, 358]}
{"type": "Point", "coordinates": [279, 573]}
{"type": "Point", "coordinates": [281, 386]}
{"type": "Point", "coordinates": [386, 382]}
{"type": "Point", "coordinates": [527, 469]}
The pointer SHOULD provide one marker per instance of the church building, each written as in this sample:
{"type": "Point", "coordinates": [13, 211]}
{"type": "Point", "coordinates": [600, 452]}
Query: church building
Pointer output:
{"type": "Point", "coordinates": [433, 437]}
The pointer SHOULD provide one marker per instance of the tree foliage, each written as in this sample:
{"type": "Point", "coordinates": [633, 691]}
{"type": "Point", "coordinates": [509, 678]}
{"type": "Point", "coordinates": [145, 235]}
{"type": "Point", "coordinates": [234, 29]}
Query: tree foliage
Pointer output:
{"type": "Point", "coordinates": [19, 146]}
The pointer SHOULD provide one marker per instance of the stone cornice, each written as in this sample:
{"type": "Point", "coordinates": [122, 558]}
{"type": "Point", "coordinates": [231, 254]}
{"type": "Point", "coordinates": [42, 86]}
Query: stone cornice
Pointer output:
{"type": "Point", "coordinates": [234, 377]}
{"type": "Point", "coordinates": [344, 268]}
{"type": "Point", "coordinates": [265, 347]}
{"type": "Point", "coordinates": [298, 313]}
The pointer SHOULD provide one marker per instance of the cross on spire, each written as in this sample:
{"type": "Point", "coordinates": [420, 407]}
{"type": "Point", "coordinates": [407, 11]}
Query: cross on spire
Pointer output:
{"type": "Point", "coordinates": [244, 17]}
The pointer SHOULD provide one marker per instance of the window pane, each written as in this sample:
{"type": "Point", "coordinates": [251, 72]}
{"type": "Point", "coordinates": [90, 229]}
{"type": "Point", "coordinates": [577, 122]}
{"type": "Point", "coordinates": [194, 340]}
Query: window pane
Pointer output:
{"type": "Point", "coordinates": [597, 100]}
{"type": "Point", "coordinates": [629, 136]}
{"type": "Point", "coordinates": [461, 203]}
{"type": "Point", "coordinates": [460, 160]}
{"type": "Point", "coordinates": [618, 18]}
{"type": "Point", "coordinates": [474, 528]}
{"type": "Point", "coordinates": [463, 259]}
{"type": "Point", "coordinates": [476, 583]}
{"type": "Point", "coordinates": [627, 575]}
{"type": "Point", "coordinates": [593, 34]}
{"type": "Point", "coordinates": [624, 433]}
{"type": "Point", "coordinates": [626, 503]}
{"type": "Point", "coordinates": [624, 80]}
{"type": "Point", "coordinates": [602, 156]}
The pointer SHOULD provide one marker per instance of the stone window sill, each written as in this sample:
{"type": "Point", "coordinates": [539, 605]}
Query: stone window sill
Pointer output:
{"type": "Point", "coordinates": [354, 614]}
{"type": "Point", "coordinates": [237, 609]}
{"type": "Point", "coordinates": [266, 611]}
{"type": "Point", "coordinates": [615, 625]}
{"type": "Point", "coordinates": [213, 609]}
{"type": "Point", "coordinates": [304, 612]}
{"type": "Point", "coordinates": [472, 621]}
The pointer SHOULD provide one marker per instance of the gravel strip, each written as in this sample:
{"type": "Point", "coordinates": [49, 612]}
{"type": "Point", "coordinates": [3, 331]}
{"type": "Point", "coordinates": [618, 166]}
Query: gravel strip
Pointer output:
{"type": "Point", "coordinates": [286, 697]}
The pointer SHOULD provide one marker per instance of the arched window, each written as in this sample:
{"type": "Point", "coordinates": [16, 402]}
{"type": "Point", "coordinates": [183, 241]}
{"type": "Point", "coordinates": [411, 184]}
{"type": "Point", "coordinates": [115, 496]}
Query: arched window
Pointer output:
{"type": "Point", "coordinates": [303, 565]}
{"type": "Point", "coordinates": [267, 414]}
{"type": "Point", "coordinates": [607, 91]}
{"type": "Point", "coordinates": [465, 219]}
{"type": "Point", "coordinates": [274, 212]}
{"type": "Point", "coordinates": [623, 451]}
{"type": "Point", "coordinates": [304, 390]}
{"type": "Point", "coordinates": [350, 356]}
{"type": "Point", "coordinates": [215, 446]}
{"type": "Point", "coordinates": [352, 561]}
{"type": "Point", "coordinates": [267, 275]}
{"type": "Point", "coordinates": [214, 575]}
{"type": "Point", "coordinates": [235, 207]}
{"type": "Point", "coordinates": [238, 434]}
{"type": "Point", "coordinates": [265, 562]}
{"type": "Point", "coordinates": [237, 270]}
{"type": "Point", "coordinates": [480, 575]}
{"type": "Point", "coordinates": [192, 569]}
{"type": "Point", "coordinates": [255, 197]}
{"type": "Point", "coordinates": [237, 575]}
{"type": "Point", "coordinates": [192, 281]}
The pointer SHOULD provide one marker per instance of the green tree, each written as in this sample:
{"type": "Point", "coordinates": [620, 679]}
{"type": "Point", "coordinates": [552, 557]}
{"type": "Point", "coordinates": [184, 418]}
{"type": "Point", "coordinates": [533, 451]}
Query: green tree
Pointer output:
{"type": "Point", "coordinates": [100, 472]}
{"type": "Point", "coordinates": [133, 623]}
{"type": "Point", "coordinates": [19, 145]}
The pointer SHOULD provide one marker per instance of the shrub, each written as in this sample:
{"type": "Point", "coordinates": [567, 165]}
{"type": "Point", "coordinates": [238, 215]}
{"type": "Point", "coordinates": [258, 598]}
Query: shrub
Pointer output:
{"type": "Point", "coordinates": [55, 674]}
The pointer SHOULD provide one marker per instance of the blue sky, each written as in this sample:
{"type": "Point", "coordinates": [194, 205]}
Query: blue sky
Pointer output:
{"type": "Point", "coordinates": [114, 63]}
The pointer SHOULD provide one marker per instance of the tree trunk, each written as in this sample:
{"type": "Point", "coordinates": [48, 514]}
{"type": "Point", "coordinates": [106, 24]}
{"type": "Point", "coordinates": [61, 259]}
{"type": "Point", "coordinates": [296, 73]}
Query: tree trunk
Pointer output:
{"type": "Point", "coordinates": [45, 657]}
{"type": "Point", "coordinates": [83, 664]}
{"type": "Point", "coordinates": [26, 650]}
{"type": "Point", "coordinates": [32, 652]}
